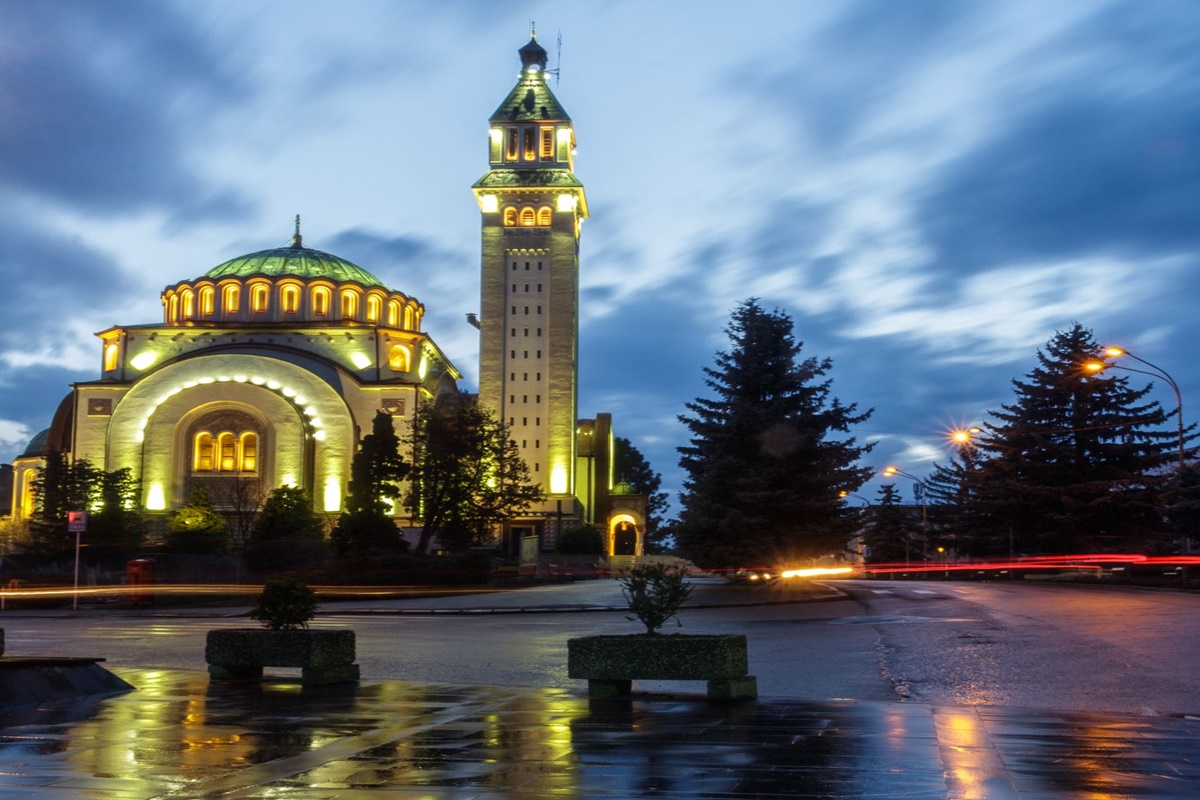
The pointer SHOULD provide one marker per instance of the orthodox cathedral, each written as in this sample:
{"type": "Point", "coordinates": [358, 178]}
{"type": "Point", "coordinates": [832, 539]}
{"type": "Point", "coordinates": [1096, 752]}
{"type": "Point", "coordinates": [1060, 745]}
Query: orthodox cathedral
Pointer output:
{"type": "Point", "coordinates": [270, 367]}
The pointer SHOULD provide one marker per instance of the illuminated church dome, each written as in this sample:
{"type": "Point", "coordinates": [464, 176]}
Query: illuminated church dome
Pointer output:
{"type": "Point", "coordinates": [294, 260]}
{"type": "Point", "coordinates": [289, 285]}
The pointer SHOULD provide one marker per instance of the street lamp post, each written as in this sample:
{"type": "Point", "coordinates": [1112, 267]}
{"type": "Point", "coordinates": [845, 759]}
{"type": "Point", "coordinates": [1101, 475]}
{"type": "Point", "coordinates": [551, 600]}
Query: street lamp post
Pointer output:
{"type": "Point", "coordinates": [889, 471]}
{"type": "Point", "coordinates": [1158, 372]}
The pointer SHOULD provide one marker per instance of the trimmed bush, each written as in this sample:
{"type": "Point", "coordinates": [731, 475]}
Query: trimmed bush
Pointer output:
{"type": "Point", "coordinates": [285, 604]}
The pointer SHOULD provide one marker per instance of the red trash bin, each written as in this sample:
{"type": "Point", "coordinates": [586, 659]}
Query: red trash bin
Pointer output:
{"type": "Point", "coordinates": [139, 572]}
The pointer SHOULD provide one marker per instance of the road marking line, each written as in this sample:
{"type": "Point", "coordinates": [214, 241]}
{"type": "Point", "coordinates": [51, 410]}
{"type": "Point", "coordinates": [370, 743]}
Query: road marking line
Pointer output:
{"type": "Point", "coordinates": [924, 591]}
{"type": "Point", "coordinates": [881, 591]}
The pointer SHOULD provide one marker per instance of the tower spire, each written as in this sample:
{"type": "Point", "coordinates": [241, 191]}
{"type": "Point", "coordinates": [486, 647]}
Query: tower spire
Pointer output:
{"type": "Point", "coordinates": [296, 240]}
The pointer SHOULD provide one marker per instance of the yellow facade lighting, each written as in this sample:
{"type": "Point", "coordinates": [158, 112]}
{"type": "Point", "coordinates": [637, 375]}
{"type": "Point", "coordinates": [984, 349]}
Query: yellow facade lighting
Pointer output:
{"type": "Point", "coordinates": [156, 499]}
{"type": "Point", "coordinates": [143, 360]}
{"type": "Point", "coordinates": [558, 479]}
{"type": "Point", "coordinates": [489, 203]}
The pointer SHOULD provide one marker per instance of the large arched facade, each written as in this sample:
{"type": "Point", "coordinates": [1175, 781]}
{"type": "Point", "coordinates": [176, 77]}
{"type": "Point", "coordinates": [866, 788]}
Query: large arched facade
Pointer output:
{"type": "Point", "coordinates": [307, 428]}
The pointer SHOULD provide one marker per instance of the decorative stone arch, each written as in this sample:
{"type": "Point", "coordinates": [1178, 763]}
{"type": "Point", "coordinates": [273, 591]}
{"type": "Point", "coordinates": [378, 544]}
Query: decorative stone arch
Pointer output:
{"type": "Point", "coordinates": [626, 534]}
{"type": "Point", "coordinates": [309, 431]}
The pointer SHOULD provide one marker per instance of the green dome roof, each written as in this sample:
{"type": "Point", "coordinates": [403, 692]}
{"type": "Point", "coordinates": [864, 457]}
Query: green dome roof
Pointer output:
{"type": "Point", "coordinates": [297, 260]}
{"type": "Point", "coordinates": [303, 262]}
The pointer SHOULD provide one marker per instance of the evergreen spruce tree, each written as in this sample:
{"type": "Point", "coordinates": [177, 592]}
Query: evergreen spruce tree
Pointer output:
{"type": "Point", "coordinates": [110, 499]}
{"type": "Point", "coordinates": [890, 529]}
{"type": "Point", "coordinates": [1077, 462]}
{"type": "Point", "coordinates": [59, 487]}
{"type": "Point", "coordinates": [768, 454]}
{"type": "Point", "coordinates": [375, 475]}
{"type": "Point", "coordinates": [631, 466]}
{"type": "Point", "coordinates": [955, 511]}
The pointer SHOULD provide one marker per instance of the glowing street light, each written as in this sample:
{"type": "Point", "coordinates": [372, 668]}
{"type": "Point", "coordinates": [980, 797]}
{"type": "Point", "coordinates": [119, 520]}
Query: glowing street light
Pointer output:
{"type": "Point", "coordinates": [964, 435]}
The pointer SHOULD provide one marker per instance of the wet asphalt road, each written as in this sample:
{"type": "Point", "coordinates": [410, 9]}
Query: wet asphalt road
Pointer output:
{"type": "Point", "coordinates": [1021, 645]}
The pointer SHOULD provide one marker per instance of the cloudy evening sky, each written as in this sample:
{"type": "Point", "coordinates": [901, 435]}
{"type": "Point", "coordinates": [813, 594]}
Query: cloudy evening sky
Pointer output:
{"type": "Point", "coordinates": [929, 189]}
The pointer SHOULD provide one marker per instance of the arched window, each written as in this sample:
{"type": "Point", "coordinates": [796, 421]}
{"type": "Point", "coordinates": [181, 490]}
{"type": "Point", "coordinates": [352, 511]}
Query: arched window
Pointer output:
{"type": "Point", "coordinates": [528, 217]}
{"type": "Point", "coordinates": [206, 301]}
{"type": "Point", "coordinates": [173, 310]}
{"type": "Point", "coordinates": [202, 457]}
{"type": "Point", "coordinates": [226, 453]}
{"type": "Point", "coordinates": [258, 297]}
{"type": "Point", "coordinates": [510, 216]}
{"type": "Point", "coordinates": [320, 300]}
{"type": "Point", "coordinates": [289, 299]}
{"type": "Point", "coordinates": [110, 356]}
{"type": "Point", "coordinates": [230, 296]}
{"type": "Point", "coordinates": [393, 313]}
{"type": "Point", "coordinates": [225, 442]}
{"type": "Point", "coordinates": [189, 307]}
{"type": "Point", "coordinates": [408, 318]}
{"type": "Point", "coordinates": [544, 215]}
{"type": "Point", "coordinates": [248, 451]}
{"type": "Point", "coordinates": [349, 304]}
{"type": "Point", "coordinates": [398, 358]}
{"type": "Point", "coordinates": [373, 307]}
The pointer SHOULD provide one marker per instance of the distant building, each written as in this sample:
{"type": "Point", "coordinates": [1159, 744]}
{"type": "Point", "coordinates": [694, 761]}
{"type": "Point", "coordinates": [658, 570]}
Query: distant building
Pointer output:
{"type": "Point", "coordinates": [269, 368]}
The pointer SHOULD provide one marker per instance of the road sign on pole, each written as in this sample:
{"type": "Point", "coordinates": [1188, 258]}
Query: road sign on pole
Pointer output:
{"type": "Point", "coordinates": [76, 524]}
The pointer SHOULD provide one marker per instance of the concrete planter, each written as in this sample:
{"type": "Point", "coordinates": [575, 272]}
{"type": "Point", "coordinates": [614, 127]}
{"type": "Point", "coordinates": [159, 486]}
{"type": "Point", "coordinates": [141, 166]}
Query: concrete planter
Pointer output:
{"type": "Point", "coordinates": [611, 663]}
{"type": "Point", "coordinates": [323, 656]}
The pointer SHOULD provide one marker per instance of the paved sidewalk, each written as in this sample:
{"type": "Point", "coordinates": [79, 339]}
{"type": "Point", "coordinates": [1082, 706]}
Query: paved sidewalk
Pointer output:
{"type": "Point", "coordinates": [182, 736]}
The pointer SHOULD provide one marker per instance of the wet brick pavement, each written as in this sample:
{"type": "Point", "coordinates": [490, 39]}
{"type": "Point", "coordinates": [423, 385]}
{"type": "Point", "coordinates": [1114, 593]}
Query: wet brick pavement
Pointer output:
{"type": "Point", "coordinates": [180, 736]}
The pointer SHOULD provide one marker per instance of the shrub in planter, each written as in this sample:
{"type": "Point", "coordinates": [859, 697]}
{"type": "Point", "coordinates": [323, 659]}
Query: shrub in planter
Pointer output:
{"type": "Point", "coordinates": [655, 594]}
{"type": "Point", "coordinates": [285, 608]}
{"type": "Point", "coordinates": [285, 604]}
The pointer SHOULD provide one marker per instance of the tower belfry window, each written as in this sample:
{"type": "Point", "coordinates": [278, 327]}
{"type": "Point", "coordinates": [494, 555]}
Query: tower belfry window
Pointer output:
{"type": "Point", "coordinates": [510, 144]}
{"type": "Point", "coordinates": [547, 143]}
{"type": "Point", "coordinates": [530, 150]}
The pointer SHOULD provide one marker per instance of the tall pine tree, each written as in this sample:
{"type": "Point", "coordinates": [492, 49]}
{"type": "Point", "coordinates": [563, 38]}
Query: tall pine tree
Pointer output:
{"type": "Point", "coordinates": [366, 528]}
{"type": "Point", "coordinates": [1077, 462]}
{"type": "Point", "coordinates": [768, 454]}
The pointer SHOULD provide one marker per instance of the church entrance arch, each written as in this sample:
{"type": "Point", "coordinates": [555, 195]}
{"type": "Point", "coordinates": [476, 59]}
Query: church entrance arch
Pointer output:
{"type": "Point", "coordinates": [623, 536]}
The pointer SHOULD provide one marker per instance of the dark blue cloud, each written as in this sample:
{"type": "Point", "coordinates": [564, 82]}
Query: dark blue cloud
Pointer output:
{"type": "Point", "coordinates": [79, 278]}
{"type": "Point", "coordinates": [92, 108]}
{"type": "Point", "coordinates": [840, 75]}
{"type": "Point", "coordinates": [1107, 163]}
{"type": "Point", "coordinates": [31, 396]}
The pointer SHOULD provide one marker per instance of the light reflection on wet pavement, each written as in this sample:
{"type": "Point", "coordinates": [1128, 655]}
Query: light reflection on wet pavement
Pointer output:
{"type": "Point", "coordinates": [180, 736]}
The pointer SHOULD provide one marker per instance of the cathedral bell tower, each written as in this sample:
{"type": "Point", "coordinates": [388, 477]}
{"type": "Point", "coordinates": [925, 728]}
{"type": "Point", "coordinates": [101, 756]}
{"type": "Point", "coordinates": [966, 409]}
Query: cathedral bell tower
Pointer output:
{"type": "Point", "coordinates": [531, 205]}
